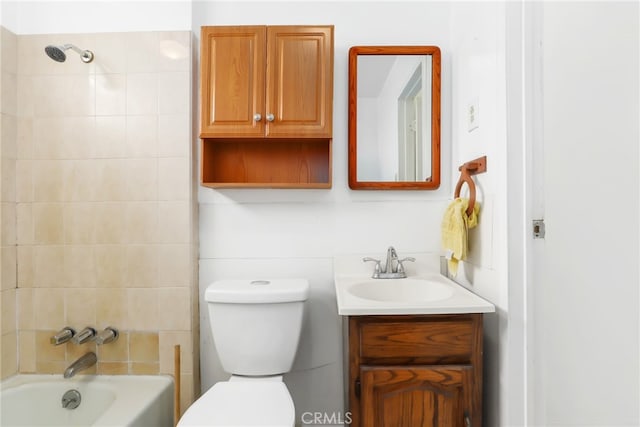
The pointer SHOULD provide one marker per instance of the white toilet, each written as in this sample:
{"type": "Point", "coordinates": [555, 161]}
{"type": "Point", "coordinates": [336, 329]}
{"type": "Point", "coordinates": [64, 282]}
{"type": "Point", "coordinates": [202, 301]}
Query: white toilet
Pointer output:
{"type": "Point", "coordinates": [256, 329]}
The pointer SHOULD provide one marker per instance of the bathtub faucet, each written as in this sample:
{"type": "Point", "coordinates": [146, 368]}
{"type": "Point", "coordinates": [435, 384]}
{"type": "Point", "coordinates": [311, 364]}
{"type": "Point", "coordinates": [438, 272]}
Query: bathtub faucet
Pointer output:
{"type": "Point", "coordinates": [86, 361]}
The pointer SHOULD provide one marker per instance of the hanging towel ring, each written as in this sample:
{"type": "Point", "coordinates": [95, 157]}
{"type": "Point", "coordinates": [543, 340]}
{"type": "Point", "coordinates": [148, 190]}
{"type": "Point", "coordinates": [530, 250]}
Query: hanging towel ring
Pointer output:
{"type": "Point", "coordinates": [465, 177]}
{"type": "Point", "coordinates": [466, 170]}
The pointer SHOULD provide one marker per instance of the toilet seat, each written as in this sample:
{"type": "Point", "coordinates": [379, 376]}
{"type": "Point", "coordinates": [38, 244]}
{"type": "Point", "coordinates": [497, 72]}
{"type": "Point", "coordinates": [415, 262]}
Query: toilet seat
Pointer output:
{"type": "Point", "coordinates": [242, 403]}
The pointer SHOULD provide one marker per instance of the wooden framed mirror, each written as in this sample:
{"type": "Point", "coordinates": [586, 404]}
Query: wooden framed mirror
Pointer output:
{"type": "Point", "coordinates": [394, 117]}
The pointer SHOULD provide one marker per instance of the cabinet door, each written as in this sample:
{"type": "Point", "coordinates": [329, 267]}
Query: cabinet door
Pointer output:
{"type": "Point", "coordinates": [232, 81]}
{"type": "Point", "coordinates": [415, 396]}
{"type": "Point", "coordinates": [299, 81]}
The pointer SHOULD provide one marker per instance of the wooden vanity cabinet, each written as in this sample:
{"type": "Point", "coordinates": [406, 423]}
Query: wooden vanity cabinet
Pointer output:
{"type": "Point", "coordinates": [266, 106]}
{"type": "Point", "coordinates": [415, 370]}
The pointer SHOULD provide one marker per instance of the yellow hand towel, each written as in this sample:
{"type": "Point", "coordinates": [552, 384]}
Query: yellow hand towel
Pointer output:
{"type": "Point", "coordinates": [455, 228]}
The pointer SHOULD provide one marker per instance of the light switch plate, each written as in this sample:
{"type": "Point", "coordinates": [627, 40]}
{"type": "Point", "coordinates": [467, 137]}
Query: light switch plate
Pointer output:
{"type": "Point", "coordinates": [473, 114]}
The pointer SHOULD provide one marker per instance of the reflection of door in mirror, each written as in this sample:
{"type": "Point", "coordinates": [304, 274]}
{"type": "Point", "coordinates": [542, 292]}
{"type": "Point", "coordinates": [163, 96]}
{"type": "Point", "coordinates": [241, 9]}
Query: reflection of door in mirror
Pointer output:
{"type": "Point", "coordinates": [414, 122]}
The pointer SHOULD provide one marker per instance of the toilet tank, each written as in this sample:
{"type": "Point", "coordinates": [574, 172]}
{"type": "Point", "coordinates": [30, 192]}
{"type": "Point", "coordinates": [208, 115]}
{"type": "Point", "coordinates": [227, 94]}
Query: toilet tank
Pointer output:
{"type": "Point", "coordinates": [256, 324]}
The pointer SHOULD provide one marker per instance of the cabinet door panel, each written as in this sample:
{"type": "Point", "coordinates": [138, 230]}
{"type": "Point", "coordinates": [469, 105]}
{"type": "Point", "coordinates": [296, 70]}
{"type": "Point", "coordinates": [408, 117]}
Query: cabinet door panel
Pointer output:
{"type": "Point", "coordinates": [299, 81]}
{"type": "Point", "coordinates": [415, 396]}
{"type": "Point", "coordinates": [233, 81]}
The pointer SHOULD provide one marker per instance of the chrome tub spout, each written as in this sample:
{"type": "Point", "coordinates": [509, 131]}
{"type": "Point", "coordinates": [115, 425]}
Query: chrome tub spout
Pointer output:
{"type": "Point", "coordinates": [84, 362]}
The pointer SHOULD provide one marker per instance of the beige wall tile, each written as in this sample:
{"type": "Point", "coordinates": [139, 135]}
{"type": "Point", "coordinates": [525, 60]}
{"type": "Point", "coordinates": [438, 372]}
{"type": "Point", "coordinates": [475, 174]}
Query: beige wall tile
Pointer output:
{"type": "Point", "coordinates": [174, 135]}
{"type": "Point", "coordinates": [27, 352]}
{"type": "Point", "coordinates": [47, 352]}
{"type": "Point", "coordinates": [8, 260]}
{"type": "Point", "coordinates": [110, 264]}
{"type": "Point", "coordinates": [115, 351]}
{"type": "Point", "coordinates": [9, 363]}
{"type": "Point", "coordinates": [142, 267]}
{"type": "Point", "coordinates": [142, 93]}
{"type": "Point", "coordinates": [175, 51]}
{"type": "Point", "coordinates": [8, 225]}
{"type": "Point", "coordinates": [25, 266]}
{"type": "Point", "coordinates": [144, 368]}
{"type": "Point", "coordinates": [142, 136]}
{"type": "Point", "coordinates": [112, 368]}
{"type": "Point", "coordinates": [174, 304]}
{"type": "Point", "coordinates": [113, 49]}
{"type": "Point", "coordinates": [174, 178]}
{"type": "Point", "coordinates": [174, 220]}
{"type": "Point", "coordinates": [24, 148]}
{"type": "Point", "coordinates": [174, 92]}
{"type": "Point", "coordinates": [111, 310]}
{"type": "Point", "coordinates": [79, 266]}
{"type": "Point", "coordinates": [143, 347]}
{"type": "Point", "coordinates": [141, 53]}
{"type": "Point", "coordinates": [24, 223]}
{"type": "Point", "coordinates": [141, 222]}
{"type": "Point", "coordinates": [25, 309]}
{"type": "Point", "coordinates": [48, 367]}
{"type": "Point", "coordinates": [168, 341]}
{"type": "Point", "coordinates": [80, 180]}
{"type": "Point", "coordinates": [110, 136]}
{"type": "Point", "coordinates": [24, 181]}
{"type": "Point", "coordinates": [142, 179]}
{"type": "Point", "coordinates": [8, 311]}
{"type": "Point", "coordinates": [75, 351]}
{"type": "Point", "coordinates": [111, 95]}
{"type": "Point", "coordinates": [111, 182]}
{"type": "Point", "coordinates": [79, 223]}
{"type": "Point", "coordinates": [8, 190]}
{"type": "Point", "coordinates": [174, 265]}
{"type": "Point", "coordinates": [109, 222]}
{"type": "Point", "coordinates": [80, 305]}
{"type": "Point", "coordinates": [48, 180]}
{"type": "Point", "coordinates": [48, 266]}
{"type": "Point", "coordinates": [142, 309]}
{"type": "Point", "coordinates": [49, 308]}
{"type": "Point", "coordinates": [48, 223]}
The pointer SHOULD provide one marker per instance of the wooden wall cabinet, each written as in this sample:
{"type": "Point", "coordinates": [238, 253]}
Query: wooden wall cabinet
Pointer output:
{"type": "Point", "coordinates": [415, 370]}
{"type": "Point", "coordinates": [266, 106]}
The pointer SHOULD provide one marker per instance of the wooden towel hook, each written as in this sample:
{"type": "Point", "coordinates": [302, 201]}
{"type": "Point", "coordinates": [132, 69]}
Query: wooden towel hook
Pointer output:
{"type": "Point", "coordinates": [473, 167]}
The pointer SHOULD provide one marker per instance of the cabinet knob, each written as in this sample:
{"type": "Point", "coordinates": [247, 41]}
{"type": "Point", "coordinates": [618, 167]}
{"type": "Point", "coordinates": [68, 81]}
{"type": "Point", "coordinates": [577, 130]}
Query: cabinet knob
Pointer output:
{"type": "Point", "coordinates": [270, 117]}
{"type": "Point", "coordinates": [257, 117]}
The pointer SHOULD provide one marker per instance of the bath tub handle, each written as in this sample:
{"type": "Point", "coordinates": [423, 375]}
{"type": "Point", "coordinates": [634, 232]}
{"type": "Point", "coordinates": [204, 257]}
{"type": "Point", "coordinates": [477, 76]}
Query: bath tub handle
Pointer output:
{"type": "Point", "coordinates": [106, 336]}
{"type": "Point", "coordinates": [84, 335]}
{"type": "Point", "coordinates": [64, 335]}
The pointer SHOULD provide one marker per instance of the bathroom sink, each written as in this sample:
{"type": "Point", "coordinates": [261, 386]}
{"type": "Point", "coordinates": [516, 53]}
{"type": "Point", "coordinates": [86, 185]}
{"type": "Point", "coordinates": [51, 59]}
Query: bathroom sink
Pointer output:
{"type": "Point", "coordinates": [408, 290]}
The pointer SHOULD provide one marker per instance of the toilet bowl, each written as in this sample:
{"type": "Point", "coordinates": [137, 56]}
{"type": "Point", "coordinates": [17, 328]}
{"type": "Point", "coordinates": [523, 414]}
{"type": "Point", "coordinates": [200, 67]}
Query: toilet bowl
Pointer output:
{"type": "Point", "coordinates": [256, 327]}
{"type": "Point", "coordinates": [243, 402]}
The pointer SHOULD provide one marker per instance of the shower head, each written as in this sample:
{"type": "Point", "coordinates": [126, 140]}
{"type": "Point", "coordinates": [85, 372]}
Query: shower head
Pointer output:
{"type": "Point", "coordinates": [57, 53]}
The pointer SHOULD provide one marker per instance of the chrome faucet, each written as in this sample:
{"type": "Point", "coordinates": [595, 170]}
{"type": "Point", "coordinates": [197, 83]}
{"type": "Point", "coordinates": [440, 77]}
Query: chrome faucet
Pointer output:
{"type": "Point", "coordinates": [84, 362]}
{"type": "Point", "coordinates": [391, 270]}
{"type": "Point", "coordinates": [84, 335]}
{"type": "Point", "coordinates": [64, 335]}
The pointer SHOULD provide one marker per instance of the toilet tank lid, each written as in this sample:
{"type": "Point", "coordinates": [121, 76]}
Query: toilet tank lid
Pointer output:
{"type": "Point", "coordinates": [248, 291]}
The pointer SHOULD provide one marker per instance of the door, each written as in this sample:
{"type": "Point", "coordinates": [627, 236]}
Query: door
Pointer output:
{"type": "Point", "coordinates": [585, 271]}
{"type": "Point", "coordinates": [415, 396]}
{"type": "Point", "coordinates": [232, 76]}
{"type": "Point", "coordinates": [299, 94]}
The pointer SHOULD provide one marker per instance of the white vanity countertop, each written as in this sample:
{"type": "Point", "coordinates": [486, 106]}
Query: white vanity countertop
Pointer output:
{"type": "Point", "coordinates": [351, 271]}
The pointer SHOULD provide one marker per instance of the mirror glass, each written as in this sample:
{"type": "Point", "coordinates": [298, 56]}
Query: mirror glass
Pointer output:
{"type": "Point", "coordinates": [394, 117]}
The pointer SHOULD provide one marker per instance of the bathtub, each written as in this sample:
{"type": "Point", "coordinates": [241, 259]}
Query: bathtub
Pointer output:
{"type": "Point", "coordinates": [106, 401]}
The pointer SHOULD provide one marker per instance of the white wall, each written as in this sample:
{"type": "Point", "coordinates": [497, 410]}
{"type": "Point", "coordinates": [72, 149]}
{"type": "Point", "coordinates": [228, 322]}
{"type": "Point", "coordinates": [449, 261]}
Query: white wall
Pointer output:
{"type": "Point", "coordinates": [255, 233]}
{"type": "Point", "coordinates": [94, 16]}
{"type": "Point", "coordinates": [587, 306]}
{"type": "Point", "coordinates": [478, 58]}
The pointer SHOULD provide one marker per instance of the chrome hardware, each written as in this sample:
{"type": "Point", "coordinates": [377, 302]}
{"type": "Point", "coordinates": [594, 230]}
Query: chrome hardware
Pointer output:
{"type": "Point", "coordinates": [106, 336]}
{"type": "Point", "coordinates": [64, 335]}
{"type": "Point", "coordinates": [85, 335]}
{"type": "Point", "coordinates": [390, 270]}
{"type": "Point", "coordinates": [84, 362]}
{"type": "Point", "coordinates": [71, 399]}
{"type": "Point", "coordinates": [257, 117]}
{"type": "Point", "coordinates": [270, 117]}
{"type": "Point", "coordinates": [377, 269]}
